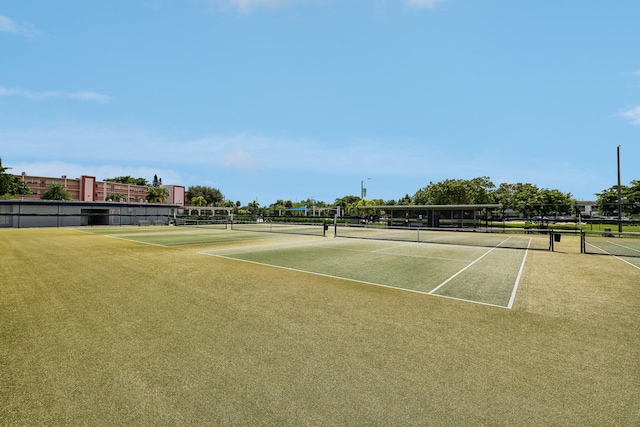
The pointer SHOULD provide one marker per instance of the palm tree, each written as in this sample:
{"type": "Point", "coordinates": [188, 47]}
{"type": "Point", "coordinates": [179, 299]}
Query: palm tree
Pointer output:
{"type": "Point", "coordinates": [199, 201]}
{"type": "Point", "coordinates": [56, 191]}
{"type": "Point", "coordinates": [357, 207]}
{"type": "Point", "coordinates": [157, 194]}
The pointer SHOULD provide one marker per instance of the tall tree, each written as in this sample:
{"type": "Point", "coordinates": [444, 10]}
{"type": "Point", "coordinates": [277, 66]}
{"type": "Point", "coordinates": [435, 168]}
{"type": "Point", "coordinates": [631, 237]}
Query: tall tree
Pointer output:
{"type": "Point", "coordinates": [456, 192]}
{"type": "Point", "coordinates": [633, 197]}
{"type": "Point", "coordinates": [56, 191]}
{"type": "Point", "coordinates": [519, 197]}
{"type": "Point", "coordinates": [608, 199]}
{"type": "Point", "coordinates": [406, 200]}
{"type": "Point", "coordinates": [5, 180]}
{"type": "Point", "coordinates": [11, 185]}
{"type": "Point", "coordinates": [531, 201]}
{"type": "Point", "coordinates": [213, 196]}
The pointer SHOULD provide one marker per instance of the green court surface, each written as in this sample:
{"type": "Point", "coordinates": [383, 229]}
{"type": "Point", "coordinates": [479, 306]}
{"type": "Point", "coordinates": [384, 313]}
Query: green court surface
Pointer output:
{"type": "Point", "coordinates": [176, 236]}
{"type": "Point", "coordinates": [478, 274]}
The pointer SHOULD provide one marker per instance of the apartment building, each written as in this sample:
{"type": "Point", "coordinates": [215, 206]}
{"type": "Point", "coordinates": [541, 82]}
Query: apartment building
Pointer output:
{"type": "Point", "coordinates": [88, 189]}
{"type": "Point", "coordinates": [588, 209]}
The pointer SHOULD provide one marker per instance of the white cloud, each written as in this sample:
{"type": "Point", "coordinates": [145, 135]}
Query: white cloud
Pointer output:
{"type": "Point", "coordinates": [423, 3]}
{"type": "Point", "coordinates": [7, 25]}
{"type": "Point", "coordinates": [241, 159]}
{"type": "Point", "coordinates": [44, 95]}
{"type": "Point", "coordinates": [88, 96]}
{"type": "Point", "coordinates": [632, 115]}
{"type": "Point", "coordinates": [246, 6]}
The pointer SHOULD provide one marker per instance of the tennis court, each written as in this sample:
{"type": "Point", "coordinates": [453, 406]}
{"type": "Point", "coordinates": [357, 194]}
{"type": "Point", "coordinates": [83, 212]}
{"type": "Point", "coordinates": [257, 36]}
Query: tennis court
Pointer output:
{"type": "Point", "coordinates": [480, 274]}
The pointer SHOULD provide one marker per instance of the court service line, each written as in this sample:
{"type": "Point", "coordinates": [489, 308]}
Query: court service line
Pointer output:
{"type": "Point", "coordinates": [468, 266]}
{"type": "Point", "coordinates": [138, 241]}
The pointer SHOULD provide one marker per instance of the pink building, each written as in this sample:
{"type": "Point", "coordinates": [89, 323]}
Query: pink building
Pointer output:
{"type": "Point", "coordinates": [88, 189]}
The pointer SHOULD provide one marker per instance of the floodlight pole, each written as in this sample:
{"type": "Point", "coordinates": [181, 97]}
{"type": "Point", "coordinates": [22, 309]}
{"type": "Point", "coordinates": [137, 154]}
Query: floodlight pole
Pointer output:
{"type": "Point", "coordinates": [619, 196]}
{"type": "Point", "coordinates": [362, 188]}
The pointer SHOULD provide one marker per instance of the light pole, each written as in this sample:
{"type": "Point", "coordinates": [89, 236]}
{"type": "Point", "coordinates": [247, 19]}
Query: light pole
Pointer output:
{"type": "Point", "coordinates": [619, 196]}
{"type": "Point", "coordinates": [363, 191]}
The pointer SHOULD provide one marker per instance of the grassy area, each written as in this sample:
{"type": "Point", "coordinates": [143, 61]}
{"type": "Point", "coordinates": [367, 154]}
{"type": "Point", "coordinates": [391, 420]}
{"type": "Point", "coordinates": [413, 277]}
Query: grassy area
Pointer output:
{"type": "Point", "coordinates": [102, 331]}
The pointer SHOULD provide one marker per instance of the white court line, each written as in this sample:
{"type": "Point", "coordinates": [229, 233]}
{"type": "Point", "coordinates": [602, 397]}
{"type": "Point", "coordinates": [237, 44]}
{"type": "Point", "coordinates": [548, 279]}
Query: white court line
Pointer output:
{"type": "Point", "coordinates": [614, 244]}
{"type": "Point", "coordinates": [352, 280]}
{"type": "Point", "coordinates": [515, 286]}
{"type": "Point", "coordinates": [138, 241]}
{"type": "Point", "coordinates": [631, 264]}
{"type": "Point", "coordinates": [599, 248]}
{"type": "Point", "coordinates": [623, 246]}
{"type": "Point", "coordinates": [615, 256]}
{"type": "Point", "coordinates": [392, 247]}
{"type": "Point", "coordinates": [459, 272]}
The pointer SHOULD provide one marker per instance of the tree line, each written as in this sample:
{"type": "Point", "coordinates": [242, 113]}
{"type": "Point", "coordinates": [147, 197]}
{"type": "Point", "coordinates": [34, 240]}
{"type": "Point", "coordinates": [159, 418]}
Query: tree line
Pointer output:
{"type": "Point", "coordinates": [524, 199]}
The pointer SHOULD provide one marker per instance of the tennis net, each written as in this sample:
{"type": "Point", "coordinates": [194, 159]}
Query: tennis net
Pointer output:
{"type": "Point", "coordinates": [486, 237]}
{"type": "Point", "coordinates": [202, 223]}
{"type": "Point", "coordinates": [309, 228]}
{"type": "Point", "coordinates": [611, 243]}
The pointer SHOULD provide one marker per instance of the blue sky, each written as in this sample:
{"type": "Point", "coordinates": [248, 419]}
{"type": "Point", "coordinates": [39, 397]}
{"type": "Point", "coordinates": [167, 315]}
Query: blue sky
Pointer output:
{"type": "Point", "coordinates": [297, 99]}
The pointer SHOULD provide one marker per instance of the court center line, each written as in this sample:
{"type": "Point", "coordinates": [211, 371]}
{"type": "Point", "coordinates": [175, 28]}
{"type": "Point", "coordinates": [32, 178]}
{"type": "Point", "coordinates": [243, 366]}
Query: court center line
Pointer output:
{"type": "Point", "coordinates": [459, 272]}
{"type": "Point", "coordinates": [138, 241]}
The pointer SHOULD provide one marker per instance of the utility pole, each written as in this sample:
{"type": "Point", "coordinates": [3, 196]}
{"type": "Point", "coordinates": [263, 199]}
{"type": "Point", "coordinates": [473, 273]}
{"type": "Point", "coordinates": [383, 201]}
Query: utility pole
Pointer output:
{"type": "Point", "coordinates": [619, 196]}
